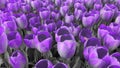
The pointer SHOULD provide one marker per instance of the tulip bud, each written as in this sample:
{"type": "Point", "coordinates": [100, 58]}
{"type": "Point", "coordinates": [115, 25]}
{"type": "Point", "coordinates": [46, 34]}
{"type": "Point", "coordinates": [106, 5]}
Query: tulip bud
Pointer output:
{"type": "Point", "coordinates": [17, 60]}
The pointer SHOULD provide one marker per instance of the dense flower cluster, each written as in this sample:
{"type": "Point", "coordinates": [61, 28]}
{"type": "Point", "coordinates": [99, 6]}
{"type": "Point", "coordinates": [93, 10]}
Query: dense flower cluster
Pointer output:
{"type": "Point", "coordinates": [60, 33]}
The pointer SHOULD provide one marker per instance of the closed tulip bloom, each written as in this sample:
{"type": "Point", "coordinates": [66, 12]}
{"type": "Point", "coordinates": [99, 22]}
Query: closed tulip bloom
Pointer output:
{"type": "Point", "coordinates": [76, 29]}
{"type": "Point", "coordinates": [84, 34]}
{"type": "Point", "coordinates": [116, 55]}
{"type": "Point", "coordinates": [98, 6]}
{"type": "Point", "coordinates": [102, 31]}
{"type": "Point", "coordinates": [88, 20]}
{"type": "Point", "coordinates": [50, 25]}
{"type": "Point", "coordinates": [29, 41]}
{"type": "Point", "coordinates": [14, 39]}
{"type": "Point", "coordinates": [60, 65]}
{"type": "Point", "coordinates": [111, 42]}
{"type": "Point", "coordinates": [22, 21]}
{"type": "Point", "coordinates": [17, 59]}
{"type": "Point", "coordinates": [67, 46]}
{"type": "Point", "coordinates": [3, 41]}
{"type": "Point", "coordinates": [64, 10]}
{"type": "Point", "coordinates": [55, 14]}
{"type": "Point", "coordinates": [9, 26]}
{"type": "Point", "coordinates": [36, 4]}
{"type": "Point", "coordinates": [89, 3]}
{"type": "Point", "coordinates": [61, 31]}
{"type": "Point", "coordinates": [44, 13]}
{"type": "Point", "coordinates": [43, 41]}
{"type": "Point", "coordinates": [106, 14]}
{"type": "Point", "coordinates": [25, 7]}
{"type": "Point", "coordinates": [3, 3]}
{"type": "Point", "coordinates": [58, 2]}
{"type": "Point", "coordinates": [69, 18]}
{"type": "Point", "coordinates": [43, 63]}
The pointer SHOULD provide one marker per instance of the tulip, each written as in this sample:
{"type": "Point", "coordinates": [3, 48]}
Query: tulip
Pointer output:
{"type": "Point", "coordinates": [43, 63]}
{"type": "Point", "coordinates": [96, 55]}
{"type": "Point", "coordinates": [36, 4]}
{"type": "Point", "coordinates": [84, 34]}
{"type": "Point", "coordinates": [25, 8]}
{"type": "Point", "coordinates": [4, 41]}
{"type": "Point", "coordinates": [29, 41]}
{"type": "Point", "coordinates": [44, 13]}
{"type": "Point", "coordinates": [17, 59]}
{"type": "Point", "coordinates": [60, 65]}
{"type": "Point", "coordinates": [22, 21]}
{"type": "Point", "coordinates": [97, 6]}
{"type": "Point", "coordinates": [9, 26]}
{"type": "Point", "coordinates": [43, 41]}
{"type": "Point", "coordinates": [69, 18]}
{"type": "Point", "coordinates": [55, 14]}
{"type": "Point", "coordinates": [58, 2]}
{"type": "Point", "coordinates": [111, 42]}
{"type": "Point", "coordinates": [88, 20]}
{"type": "Point", "coordinates": [66, 46]}
{"type": "Point", "coordinates": [92, 42]}
{"type": "Point", "coordinates": [3, 3]}
{"type": "Point", "coordinates": [89, 3]}
{"type": "Point", "coordinates": [14, 39]}
{"type": "Point", "coordinates": [106, 14]}
{"type": "Point", "coordinates": [116, 55]}
{"type": "Point", "coordinates": [50, 25]}
{"type": "Point", "coordinates": [61, 31]}
{"type": "Point", "coordinates": [64, 10]}
{"type": "Point", "coordinates": [102, 31]}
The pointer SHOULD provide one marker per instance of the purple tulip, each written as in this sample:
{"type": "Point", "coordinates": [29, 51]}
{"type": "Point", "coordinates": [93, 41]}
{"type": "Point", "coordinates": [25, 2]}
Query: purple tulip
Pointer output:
{"type": "Point", "coordinates": [64, 10]}
{"type": "Point", "coordinates": [59, 24]}
{"type": "Point", "coordinates": [14, 39]}
{"type": "Point", "coordinates": [92, 42]}
{"type": "Point", "coordinates": [4, 41]}
{"type": "Point", "coordinates": [43, 41]}
{"type": "Point", "coordinates": [44, 13]}
{"type": "Point", "coordinates": [29, 41]}
{"type": "Point", "coordinates": [117, 3]}
{"type": "Point", "coordinates": [102, 31]}
{"type": "Point", "coordinates": [76, 29]}
{"type": "Point", "coordinates": [50, 25]}
{"type": "Point", "coordinates": [36, 4]}
{"type": "Point", "coordinates": [34, 21]}
{"type": "Point", "coordinates": [22, 21]}
{"type": "Point", "coordinates": [106, 14]}
{"type": "Point", "coordinates": [69, 18]}
{"type": "Point", "coordinates": [89, 3]}
{"type": "Point", "coordinates": [60, 65]}
{"type": "Point", "coordinates": [66, 46]}
{"type": "Point", "coordinates": [25, 7]}
{"type": "Point", "coordinates": [43, 63]}
{"type": "Point", "coordinates": [98, 6]}
{"type": "Point", "coordinates": [9, 26]}
{"type": "Point", "coordinates": [84, 34]}
{"type": "Point", "coordinates": [96, 55]}
{"type": "Point", "coordinates": [61, 31]}
{"type": "Point", "coordinates": [55, 14]}
{"type": "Point", "coordinates": [17, 59]}
{"type": "Point", "coordinates": [111, 42]}
{"type": "Point", "coordinates": [79, 10]}
{"type": "Point", "coordinates": [58, 2]}
{"type": "Point", "coordinates": [88, 20]}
